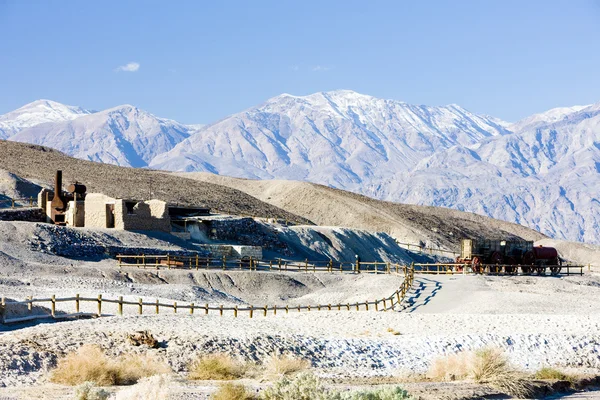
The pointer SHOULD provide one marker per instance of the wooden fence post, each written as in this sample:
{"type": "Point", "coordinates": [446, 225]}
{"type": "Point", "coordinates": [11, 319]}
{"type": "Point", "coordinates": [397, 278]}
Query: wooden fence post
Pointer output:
{"type": "Point", "coordinates": [174, 307]}
{"type": "Point", "coordinates": [265, 313]}
{"type": "Point", "coordinates": [192, 309]}
{"type": "Point", "coordinates": [235, 311]}
{"type": "Point", "coordinates": [221, 310]}
{"type": "Point", "coordinates": [287, 309]}
{"type": "Point", "coordinates": [206, 308]}
{"type": "Point", "coordinates": [99, 305]}
{"type": "Point", "coordinates": [77, 303]}
{"type": "Point", "coordinates": [120, 308]}
{"type": "Point", "coordinates": [384, 305]}
{"type": "Point", "coordinates": [30, 304]}
{"type": "Point", "coordinates": [376, 305]}
{"type": "Point", "coordinates": [53, 309]}
{"type": "Point", "coordinates": [157, 306]}
{"type": "Point", "coordinates": [274, 310]}
{"type": "Point", "coordinates": [367, 305]}
{"type": "Point", "coordinates": [140, 306]}
{"type": "Point", "coordinates": [251, 311]}
{"type": "Point", "coordinates": [3, 307]}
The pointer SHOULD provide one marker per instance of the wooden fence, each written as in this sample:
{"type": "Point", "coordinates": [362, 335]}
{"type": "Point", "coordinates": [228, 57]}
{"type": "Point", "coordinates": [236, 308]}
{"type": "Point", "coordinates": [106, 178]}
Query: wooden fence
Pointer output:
{"type": "Point", "coordinates": [18, 203]}
{"type": "Point", "coordinates": [388, 303]}
{"type": "Point", "coordinates": [202, 263]}
{"type": "Point", "coordinates": [494, 269]}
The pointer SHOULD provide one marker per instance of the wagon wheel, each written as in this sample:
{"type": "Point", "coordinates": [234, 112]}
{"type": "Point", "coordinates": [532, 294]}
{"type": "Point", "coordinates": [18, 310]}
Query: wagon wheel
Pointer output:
{"type": "Point", "coordinates": [511, 267]}
{"type": "Point", "coordinates": [540, 267]}
{"type": "Point", "coordinates": [476, 265]}
{"type": "Point", "coordinates": [496, 260]}
{"type": "Point", "coordinates": [528, 262]}
{"type": "Point", "coordinates": [555, 269]}
{"type": "Point", "coordinates": [459, 268]}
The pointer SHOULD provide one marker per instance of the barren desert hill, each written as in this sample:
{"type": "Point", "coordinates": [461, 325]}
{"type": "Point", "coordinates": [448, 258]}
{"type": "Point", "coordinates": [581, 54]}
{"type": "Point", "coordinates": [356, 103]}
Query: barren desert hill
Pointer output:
{"type": "Point", "coordinates": [435, 226]}
{"type": "Point", "coordinates": [38, 164]}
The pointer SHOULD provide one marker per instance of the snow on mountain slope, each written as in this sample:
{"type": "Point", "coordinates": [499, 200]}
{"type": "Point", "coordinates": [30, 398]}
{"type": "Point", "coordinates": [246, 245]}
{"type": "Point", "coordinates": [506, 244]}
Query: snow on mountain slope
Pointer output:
{"type": "Point", "coordinates": [547, 177]}
{"type": "Point", "coordinates": [123, 135]}
{"type": "Point", "coordinates": [547, 117]}
{"type": "Point", "coordinates": [543, 171]}
{"type": "Point", "coordinates": [341, 138]}
{"type": "Point", "coordinates": [36, 113]}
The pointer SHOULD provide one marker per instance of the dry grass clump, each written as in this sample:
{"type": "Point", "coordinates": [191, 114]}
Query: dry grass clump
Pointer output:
{"type": "Point", "coordinates": [394, 332]}
{"type": "Point", "coordinates": [285, 365]}
{"type": "Point", "coordinates": [549, 373]}
{"type": "Point", "coordinates": [232, 391]}
{"type": "Point", "coordinates": [450, 368]}
{"type": "Point", "coordinates": [486, 366]}
{"type": "Point", "coordinates": [90, 364]}
{"type": "Point", "coordinates": [216, 367]}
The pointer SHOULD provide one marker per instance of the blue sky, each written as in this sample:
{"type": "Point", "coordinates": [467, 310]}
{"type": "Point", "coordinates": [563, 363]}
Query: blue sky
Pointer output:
{"type": "Point", "coordinates": [200, 61]}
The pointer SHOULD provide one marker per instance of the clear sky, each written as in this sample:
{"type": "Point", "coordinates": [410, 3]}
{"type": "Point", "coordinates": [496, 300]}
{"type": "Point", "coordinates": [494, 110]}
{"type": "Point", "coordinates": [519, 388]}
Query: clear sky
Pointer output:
{"type": "Point", "coordinates": [199, 61]}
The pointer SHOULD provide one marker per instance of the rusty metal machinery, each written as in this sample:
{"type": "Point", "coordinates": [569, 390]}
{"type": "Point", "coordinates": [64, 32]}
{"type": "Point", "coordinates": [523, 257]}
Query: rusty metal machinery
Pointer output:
{"type": "Point", "coordinates": [60, 199]}
{"type": "Point", "coordinates": [58, 206]}
{"type": "Point", "coordinates": [507, 256]}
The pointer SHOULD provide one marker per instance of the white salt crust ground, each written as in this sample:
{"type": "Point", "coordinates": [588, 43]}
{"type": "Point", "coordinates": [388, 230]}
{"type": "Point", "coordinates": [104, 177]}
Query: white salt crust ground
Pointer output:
{"type": "Point", "coordinates": [539, 321]}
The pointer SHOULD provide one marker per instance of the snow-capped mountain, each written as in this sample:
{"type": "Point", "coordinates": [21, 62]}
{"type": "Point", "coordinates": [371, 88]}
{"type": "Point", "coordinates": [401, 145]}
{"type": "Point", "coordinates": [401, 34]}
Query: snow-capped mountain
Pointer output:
{"type": "Point", "coordinates": [543, 171]}
{"type": "Point", "coordinates": [36, 113]}
{"type": "Point", "coordinates": [340, 138]}
{"type": "Point", "coordinates": [547, 177]}
{"type": "Point", "coordinates": [123, 135]}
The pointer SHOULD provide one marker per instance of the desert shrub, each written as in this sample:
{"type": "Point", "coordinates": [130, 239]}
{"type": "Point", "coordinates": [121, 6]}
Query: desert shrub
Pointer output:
{"type": "Point", "coordinates": [285, 365]}
{"type": "Point", "coordinates": [232, 391]}
{"type": "Point", "coordinates": [87, 364]}
{"type": "Point", "coordinates": [304, 386]}
{"type": "Point", "coordinates": [89, 391]}
{"type": "Point", "coordinates": [486, 366]}
{"type": "Point", "coordinates": [216, 367]}
{"type": "Point", "coordinates": [549, 373]}
{"type": "Point", "coordinates": [150, 388]}
{"type": "Point", "coordinates": [450, 368]}
{"type": "Point", "coordinates": [131, 368]}
{"type": "Point", "coordinates": [90, 364]}
{"type": "Point", "coordinates": [390, 393]}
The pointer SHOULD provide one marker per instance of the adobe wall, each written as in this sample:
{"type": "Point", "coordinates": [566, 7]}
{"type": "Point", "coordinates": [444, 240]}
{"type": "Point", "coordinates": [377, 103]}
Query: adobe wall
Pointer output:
{"type": "Point", "coordinates": [95, 210]}
{"type": "Point", "coordinates": [75, 215]}
{"type": "Point", "coordinates": [151, 215]}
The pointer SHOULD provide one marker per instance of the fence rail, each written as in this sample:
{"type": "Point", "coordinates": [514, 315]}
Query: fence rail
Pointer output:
{"type": "Point", "coordinates": [18, 203]}
{"type": "Point", "coordinates": [388, 303]}
{"type": "Point", "coordinates": [498, 269]}
{"type": "Point", "coordinates": [251, 264]}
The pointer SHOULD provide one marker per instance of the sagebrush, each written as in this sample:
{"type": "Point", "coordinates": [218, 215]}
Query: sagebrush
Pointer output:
{"type": "Point", "coordinates": [89, 391]}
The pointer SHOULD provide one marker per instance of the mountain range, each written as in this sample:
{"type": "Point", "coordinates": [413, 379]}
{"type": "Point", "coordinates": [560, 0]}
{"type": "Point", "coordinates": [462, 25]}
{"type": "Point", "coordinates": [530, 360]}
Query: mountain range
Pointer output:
{"type": "Point", "coordinates": [542, 171]}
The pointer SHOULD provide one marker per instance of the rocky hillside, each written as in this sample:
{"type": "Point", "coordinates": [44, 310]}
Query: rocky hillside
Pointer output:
{"type": "Point", "coordinates": [38, 164]}
{"type": "Point", "coordinates": [433, 226]}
